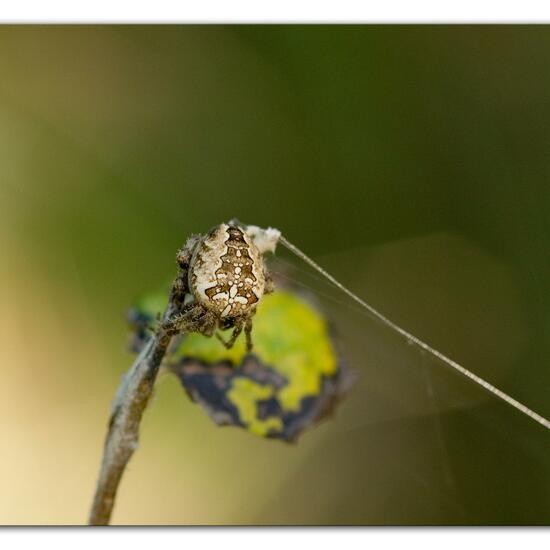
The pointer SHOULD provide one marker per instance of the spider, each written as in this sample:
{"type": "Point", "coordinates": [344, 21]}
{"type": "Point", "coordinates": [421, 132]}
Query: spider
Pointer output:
{"type": "Point", "coordinates": [221, 280]}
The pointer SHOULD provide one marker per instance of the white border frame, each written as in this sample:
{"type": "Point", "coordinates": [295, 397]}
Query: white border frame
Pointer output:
{"type": "Point", "coordinates": [275, 538]}
{"type": "Point", "coordinates": [273, 11]}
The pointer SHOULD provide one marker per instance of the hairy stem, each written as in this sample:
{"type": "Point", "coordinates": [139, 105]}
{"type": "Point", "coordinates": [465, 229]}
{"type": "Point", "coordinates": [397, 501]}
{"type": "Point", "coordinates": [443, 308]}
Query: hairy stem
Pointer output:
{"type": "Point", "coordinates": [130, 402]}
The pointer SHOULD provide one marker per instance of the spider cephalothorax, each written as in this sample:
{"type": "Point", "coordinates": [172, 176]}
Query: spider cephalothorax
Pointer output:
{"type": "Point", "coordinates": [222, 279]}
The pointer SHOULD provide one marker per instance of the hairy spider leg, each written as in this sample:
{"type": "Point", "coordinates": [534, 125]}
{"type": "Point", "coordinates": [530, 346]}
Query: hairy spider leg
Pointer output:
{"type": "Point", "coordinates": [193, 318]}
{"type": "Point", "coordinates": [248, 334]}
{"type": "Point", "coordinates": [231, 342]}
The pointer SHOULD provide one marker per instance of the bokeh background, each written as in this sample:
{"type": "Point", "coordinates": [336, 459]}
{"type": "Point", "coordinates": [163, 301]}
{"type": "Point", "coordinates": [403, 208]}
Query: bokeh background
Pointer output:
{"type": "Point", "coordinates": [412, 161]}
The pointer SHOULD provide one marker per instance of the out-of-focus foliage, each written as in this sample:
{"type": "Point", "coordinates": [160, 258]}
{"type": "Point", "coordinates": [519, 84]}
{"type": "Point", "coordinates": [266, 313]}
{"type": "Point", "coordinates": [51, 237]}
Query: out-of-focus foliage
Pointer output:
{"type": "Point", "coordinates": [291, 380]}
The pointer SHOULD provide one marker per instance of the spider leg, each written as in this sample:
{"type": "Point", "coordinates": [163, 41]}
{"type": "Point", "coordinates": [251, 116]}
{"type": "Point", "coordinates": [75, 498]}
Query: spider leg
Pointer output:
{"type": "Point", "coordinates": [184, 255]}
{"type": "Point", "coordinates": [180, 289]}
{"type": "Point", "coordinates": [191, 319]}
{"type": "Point", "coordinates": [269, 285]}
{"type": "Point", "coordinates": [183, 258]}
{"type": "Point", "coordinates": [248, 334]}
{"type": "Point", "coordinates": [231, 342]}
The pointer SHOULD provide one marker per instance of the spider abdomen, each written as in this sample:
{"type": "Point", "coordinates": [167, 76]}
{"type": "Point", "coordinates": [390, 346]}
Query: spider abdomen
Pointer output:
{"type": "Point", "coordinates": [226, 273]}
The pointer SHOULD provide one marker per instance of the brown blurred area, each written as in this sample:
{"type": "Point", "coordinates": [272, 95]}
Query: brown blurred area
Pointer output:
{"type": "Point", "coordinates": [411, 161]}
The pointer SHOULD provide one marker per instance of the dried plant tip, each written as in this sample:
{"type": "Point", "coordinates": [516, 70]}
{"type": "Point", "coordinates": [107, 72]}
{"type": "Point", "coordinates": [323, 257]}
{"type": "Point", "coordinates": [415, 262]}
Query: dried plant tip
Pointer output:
{"type": "Point", "coordinates": [265, 239]}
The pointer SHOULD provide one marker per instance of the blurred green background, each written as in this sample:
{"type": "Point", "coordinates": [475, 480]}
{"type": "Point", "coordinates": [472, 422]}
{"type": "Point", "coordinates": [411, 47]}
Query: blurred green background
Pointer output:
{"type": "Point", "coordinates": [412, 161]}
